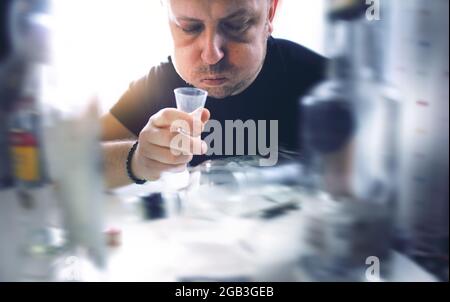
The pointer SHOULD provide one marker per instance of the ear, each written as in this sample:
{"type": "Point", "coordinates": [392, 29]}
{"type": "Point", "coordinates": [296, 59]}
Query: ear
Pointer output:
{"type": "Point", "coordinates": [272, 9]}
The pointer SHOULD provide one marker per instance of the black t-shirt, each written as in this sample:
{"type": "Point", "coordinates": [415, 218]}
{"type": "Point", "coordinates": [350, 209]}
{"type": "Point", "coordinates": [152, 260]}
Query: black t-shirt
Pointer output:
{"type": "Point", "coordinates": [288, 73]}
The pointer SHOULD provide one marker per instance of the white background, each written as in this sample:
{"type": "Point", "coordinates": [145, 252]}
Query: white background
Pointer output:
{"type": "Point", "coordinates": [105, 44]}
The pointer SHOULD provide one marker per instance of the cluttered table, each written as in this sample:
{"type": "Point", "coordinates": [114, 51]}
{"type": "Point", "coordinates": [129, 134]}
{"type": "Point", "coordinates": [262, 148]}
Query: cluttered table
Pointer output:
{"type": "Point", "coordinates": [149, 252]}
{"type": "Point", "coordinates": [258, 242]}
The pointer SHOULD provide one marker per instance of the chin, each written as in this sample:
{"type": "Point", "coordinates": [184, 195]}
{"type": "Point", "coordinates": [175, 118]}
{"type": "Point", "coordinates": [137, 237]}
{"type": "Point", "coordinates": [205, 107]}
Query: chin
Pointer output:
{"type": "Point", "coordinates": [212, 92]}
{"type": "Point", "coordinates": [218, 92]}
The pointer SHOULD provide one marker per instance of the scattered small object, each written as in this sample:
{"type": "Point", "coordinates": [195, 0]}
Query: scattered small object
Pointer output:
{"type": "Point", "coordinates": [113, 237]}
{"type": "Point", "coordinates": [153, 206]}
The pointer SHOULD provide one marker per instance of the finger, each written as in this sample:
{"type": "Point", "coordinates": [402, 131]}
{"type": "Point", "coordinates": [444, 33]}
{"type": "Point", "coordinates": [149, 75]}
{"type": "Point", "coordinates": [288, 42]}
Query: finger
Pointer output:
{"type": "Point", "coordinates": [166, 117]}
{"type": "Point", "coordinates": [179, 143]}
{"type": "Point", "coordinates": [201, 114]}
{"type": "Point", "coordinates": [165, 155]}
{"type": "Point", "coordinates": [187, 145]}
{"type": "Point", "coordinates": [205, 115]}
{"type": "Point", "coordinates": [153, 168]}
{"type": "Point", "coordinates": [181, 126]}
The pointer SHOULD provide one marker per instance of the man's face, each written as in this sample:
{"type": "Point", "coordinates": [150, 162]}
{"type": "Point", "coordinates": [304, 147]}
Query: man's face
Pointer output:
{"type": "Point", "coordinates": [220, 45]}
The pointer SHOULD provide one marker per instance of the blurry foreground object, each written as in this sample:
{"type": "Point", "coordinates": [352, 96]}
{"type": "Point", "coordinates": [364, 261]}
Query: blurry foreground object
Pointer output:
{"type": "Point", "coordinates": [51, 187]}
{"type": "Point", "coordinates": [350, 131]}
{"type": "Point", "coordinates": [373, 176]}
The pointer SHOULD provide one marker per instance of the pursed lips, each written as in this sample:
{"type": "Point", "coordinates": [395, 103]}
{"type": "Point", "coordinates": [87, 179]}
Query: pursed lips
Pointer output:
{"type": "Point", "coordinates": [214, 80]}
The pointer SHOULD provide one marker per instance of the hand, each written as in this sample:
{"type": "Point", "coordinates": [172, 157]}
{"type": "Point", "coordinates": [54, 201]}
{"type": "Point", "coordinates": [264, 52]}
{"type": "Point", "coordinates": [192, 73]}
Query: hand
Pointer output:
{"type": "Point", "coordinates": [158, 152]}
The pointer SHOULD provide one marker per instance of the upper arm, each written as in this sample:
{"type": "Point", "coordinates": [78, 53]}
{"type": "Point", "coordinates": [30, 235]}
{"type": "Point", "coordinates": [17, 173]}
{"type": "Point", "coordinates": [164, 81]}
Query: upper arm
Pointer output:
{"type": "Point", "coordinates": [143, 98]}
{"type": "Point", "coordinates": [113, 129]}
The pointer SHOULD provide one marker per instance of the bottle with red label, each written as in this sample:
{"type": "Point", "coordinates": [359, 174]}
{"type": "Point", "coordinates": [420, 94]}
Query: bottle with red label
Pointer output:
{"type": "Point", "coordinates": [24, 142]}
{"type": "Point", "coordinates": [30, 55]}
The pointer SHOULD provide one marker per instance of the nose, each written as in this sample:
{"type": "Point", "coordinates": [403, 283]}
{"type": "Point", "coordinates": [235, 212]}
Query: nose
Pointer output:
{"type": "Point", "coordinates": [212, 51]}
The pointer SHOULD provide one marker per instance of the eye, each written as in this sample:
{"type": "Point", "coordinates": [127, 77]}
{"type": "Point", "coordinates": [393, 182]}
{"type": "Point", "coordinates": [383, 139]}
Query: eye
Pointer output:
{"type": "Point", "coordinates": [192, 29]}
{"type": "Point", "coordinates": [235, 26]}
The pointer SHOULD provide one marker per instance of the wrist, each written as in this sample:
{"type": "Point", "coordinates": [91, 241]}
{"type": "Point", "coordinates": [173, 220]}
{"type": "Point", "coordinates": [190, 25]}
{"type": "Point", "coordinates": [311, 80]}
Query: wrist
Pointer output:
{"type": "Point", "coordinates": [131, 166]}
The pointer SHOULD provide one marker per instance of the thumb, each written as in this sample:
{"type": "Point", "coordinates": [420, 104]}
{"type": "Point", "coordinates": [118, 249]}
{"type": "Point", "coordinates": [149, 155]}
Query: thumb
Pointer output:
{"type": "Point", "coordinates": [205, 115]}
{"type": "Point", "coordinates": [202, 114]}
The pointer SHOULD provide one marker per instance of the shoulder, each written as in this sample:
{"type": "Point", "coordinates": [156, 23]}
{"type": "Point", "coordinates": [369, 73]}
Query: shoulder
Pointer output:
{"type": "Point", "coordinates": [301, 67]}
{"type": "Point", "coordinates": [162, 74]}
{"type": "Point", "coordinates": [146, 96]}
{"type": "Point", "coordinates": [293, 56]}
{"type": "Point", "coordinates": [294, 51]}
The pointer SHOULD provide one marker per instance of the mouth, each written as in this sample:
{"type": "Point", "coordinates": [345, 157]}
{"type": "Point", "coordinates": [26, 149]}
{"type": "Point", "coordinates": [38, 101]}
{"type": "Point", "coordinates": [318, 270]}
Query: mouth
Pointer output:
{"type": "Point", "coordinates": [214, 81]}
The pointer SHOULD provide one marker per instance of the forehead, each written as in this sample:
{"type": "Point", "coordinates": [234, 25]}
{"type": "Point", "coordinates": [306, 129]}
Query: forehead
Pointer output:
{"type": "Point", "coordinates": [214, 9]}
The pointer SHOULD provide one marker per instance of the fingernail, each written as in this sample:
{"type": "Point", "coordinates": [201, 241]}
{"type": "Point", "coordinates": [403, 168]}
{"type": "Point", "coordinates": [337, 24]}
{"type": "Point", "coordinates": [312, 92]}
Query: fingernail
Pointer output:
{"type": "Point", "coordinates": [204, 148]}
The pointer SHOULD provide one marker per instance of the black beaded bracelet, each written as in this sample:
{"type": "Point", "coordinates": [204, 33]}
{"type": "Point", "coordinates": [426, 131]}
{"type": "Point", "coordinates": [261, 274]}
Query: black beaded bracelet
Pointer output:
{"type": "Point", "coordinates": [128, 164]}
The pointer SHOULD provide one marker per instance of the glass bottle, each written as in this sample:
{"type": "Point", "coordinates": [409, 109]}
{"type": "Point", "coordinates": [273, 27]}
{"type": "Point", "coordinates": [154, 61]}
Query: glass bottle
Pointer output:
{"type": "Point", "coordinates": [347, 158]}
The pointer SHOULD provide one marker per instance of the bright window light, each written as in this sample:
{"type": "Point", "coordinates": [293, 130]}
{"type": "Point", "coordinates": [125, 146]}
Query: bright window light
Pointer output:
{"type": "Point", "coordinates": [102, 45]}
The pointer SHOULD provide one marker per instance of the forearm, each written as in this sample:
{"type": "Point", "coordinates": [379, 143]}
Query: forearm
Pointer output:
{"type": "Point", "coordinates": [114, 167]}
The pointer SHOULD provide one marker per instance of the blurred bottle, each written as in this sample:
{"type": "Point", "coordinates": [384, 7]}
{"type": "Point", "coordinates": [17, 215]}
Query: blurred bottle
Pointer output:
{"type": "Point", "coordinates": [348, 136]}
{"type": "Point", "coordinates": [30, 35]}
{"type": "Point", "coordinates": [54, 147]}
{"type": "Point", "coordinates": [8, 203]}
{"type": "Point", "coordinates": [22, 83]}
{"type": "Point", "coordinates": [25, 138]}
{"type": "Point", "coordinates": [419, 67]}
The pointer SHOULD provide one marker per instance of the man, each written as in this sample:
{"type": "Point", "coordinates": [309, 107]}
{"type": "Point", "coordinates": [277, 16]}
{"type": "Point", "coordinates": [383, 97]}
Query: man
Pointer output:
{"type": "Point", "coordinates": [224, 47]}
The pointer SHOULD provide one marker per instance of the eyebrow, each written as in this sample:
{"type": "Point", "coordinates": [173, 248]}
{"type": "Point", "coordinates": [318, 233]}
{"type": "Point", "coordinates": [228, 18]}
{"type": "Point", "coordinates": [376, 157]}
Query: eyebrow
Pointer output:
{"type": "Point", "coordinates": [238, 13]}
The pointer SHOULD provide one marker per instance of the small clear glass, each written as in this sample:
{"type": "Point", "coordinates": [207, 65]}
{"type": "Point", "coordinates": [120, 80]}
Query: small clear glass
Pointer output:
{"type": "Point", "coordinates": [190, 99]}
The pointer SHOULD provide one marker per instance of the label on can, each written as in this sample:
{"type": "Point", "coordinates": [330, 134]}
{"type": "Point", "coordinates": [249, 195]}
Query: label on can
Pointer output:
{"type": "Point", "coordinates": [25, 156]}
